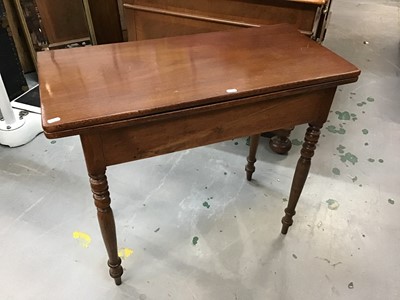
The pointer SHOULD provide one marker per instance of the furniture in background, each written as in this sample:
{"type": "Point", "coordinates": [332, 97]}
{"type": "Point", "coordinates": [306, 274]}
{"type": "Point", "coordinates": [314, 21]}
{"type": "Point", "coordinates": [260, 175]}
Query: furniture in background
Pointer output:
{"type": "Point", "coordinates": [150, 19]}
{"type": "Point", "coordinates": [64, 22]}
{"type": "Point", "coordinates": [106, 21]}
{"type": "Point", "coordinates": [17, 33]}
{"type": "Point", "coordinates": [53, 24]}
{"type": "Point", "coordinates": [211, 87]}
{"type": "Point", "coordinates": [10, 67]}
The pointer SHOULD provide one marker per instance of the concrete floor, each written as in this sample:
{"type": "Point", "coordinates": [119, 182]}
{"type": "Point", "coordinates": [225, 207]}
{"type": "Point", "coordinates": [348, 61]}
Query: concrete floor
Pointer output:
{"type": "Point", "coordinates": [344, 243]}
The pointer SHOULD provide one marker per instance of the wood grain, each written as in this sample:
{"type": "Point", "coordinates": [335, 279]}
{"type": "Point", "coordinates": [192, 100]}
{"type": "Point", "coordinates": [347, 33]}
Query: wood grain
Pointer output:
{"type": "Point", "coordinates": [100, 84]}
{"type": "Point", "coordinates": [63, 20]}
{"type": "Point", "coordinates": [106, 21]}
{"type": "Point", "coordinates": [142, 99]}
{"type": "Point", "coordinates": [149, 19]}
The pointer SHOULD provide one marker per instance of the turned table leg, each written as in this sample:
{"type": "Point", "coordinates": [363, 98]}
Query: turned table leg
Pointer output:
{"type": "Point", "coordinates": [101, 196]}
{"type": "Point", "coordinates": [281, 143]}
{"type": "Point", "coordinates": [251, 159]}
{"type": "Point", "coordinates": [301, 173]}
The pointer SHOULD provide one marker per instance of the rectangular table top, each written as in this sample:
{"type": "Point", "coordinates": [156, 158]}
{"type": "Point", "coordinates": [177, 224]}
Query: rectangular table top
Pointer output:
{"type": "Point", "coordinates": [88, 86]}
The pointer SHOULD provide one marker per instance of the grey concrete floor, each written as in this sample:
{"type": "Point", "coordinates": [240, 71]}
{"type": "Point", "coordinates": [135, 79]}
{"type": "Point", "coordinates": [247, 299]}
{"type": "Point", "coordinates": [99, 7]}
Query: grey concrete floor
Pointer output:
{"type": "Point", "coordinates": [344, 243]}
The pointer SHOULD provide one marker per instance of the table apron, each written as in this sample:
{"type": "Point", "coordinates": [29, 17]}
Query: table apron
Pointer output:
{"type": "Point", "coordinates": [206, 126]}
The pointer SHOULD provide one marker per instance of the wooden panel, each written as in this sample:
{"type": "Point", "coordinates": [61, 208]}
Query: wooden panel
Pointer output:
{"type": "Point", "coordinates": [147, 77]}
{"type": "Point", "coordinates": [191, 130]}
{"type": "Point", "coordinates": [63, 20]}
{"type": "Point", "coordinates": [161, 18]}
{"type": "Point", "coordinates": [106, 21]}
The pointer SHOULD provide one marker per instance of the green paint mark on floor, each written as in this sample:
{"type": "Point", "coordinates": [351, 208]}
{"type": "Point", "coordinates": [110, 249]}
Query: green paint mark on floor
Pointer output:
{"type": "Point", "coordinates": [248, 141]}
{"type": "Point", "coordinates": [345, 115]}
{"type": "Point", "coordinates": [380, 160]}
{"type": "Point", "coordinates": [195, 240]}
{"type": "Point", "coordinates": [365, 131]}
{"type": "Point", "coordinates": [341, 148]}
{"type": "Point", "coordinates": [371, 159]}
{"type": "Point", "coordinates": [205, 204]}
{"type": "Point", "coordinates": [332, 204]}
{"type": "Point", "coordinates": [349, 157]}
{"type": "Point", "coordinates": [333, 129]}
{"type": "Point", "coordinates": [361, 103]}
{"type": "Point", "coordinates": [370, 99]}
{"type": "Point", "coordinates": [284, 199]}
{"type": "Point", "coordinates": [354, 179]}
{"type": "Point", "coordinates": [53, 142]}
{"type": "Point", "coordinates": [391, 201]}
{"type": "Point", "coordinates": [336, 171]}
{"type": "Point", "coordinates": [297, 142]}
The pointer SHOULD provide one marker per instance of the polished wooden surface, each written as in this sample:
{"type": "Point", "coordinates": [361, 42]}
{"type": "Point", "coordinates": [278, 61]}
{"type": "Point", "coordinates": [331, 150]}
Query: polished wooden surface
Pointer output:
{"type": "Point", "coordinates": [277, 87]}
{"type": "Point", "coordinates": [149, 19]}
{"type": "Point", "coordinates": [100, 84]}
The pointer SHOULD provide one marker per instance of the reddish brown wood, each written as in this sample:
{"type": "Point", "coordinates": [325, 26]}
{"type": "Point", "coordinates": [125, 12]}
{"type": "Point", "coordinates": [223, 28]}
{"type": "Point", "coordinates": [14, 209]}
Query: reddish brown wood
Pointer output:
{"type": "Point", "coordinates": [301, 173]}
{"type": "Point", "coordinates": [121, 99]}
{"type": "Point", "coordinates": [149, 19]}
{"type": "Point", "coordinates": [101, 196]}
{"type": "Point", "coordinates": [63, 20]}
{"type": "Point", "coordinates": [106, 21]}
{"type": "Point", "coordinates": [147, 77]}
{"type": "Point", "coordinates": [251, 159]}
{"type": "Point", "coordinates": [98, 182]}
{"type": "Point", "coordinates": [281, 143]}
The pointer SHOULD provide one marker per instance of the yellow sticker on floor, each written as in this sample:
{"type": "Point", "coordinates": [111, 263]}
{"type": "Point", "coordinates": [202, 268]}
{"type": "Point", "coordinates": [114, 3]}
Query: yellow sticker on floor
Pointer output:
{"type": "Point", "coordinates": [83, 238]}
{"type": "Point", "coordinates": [124, 253]}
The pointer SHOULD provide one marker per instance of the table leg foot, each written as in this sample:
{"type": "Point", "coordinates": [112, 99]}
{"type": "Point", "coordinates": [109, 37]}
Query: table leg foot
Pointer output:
{"type": "Point", "coordinates": [300, 174]}
{"type": "Point", "coordinates": [251, 159]}
{"type": "Point", "coordinates": [118, 281]}
{"type": "Point", "coordinates": [116, 271]}
{"type": "Point", "coordinates": [105, 216]}
{"type": "Point", "coordinates": [281, 143]}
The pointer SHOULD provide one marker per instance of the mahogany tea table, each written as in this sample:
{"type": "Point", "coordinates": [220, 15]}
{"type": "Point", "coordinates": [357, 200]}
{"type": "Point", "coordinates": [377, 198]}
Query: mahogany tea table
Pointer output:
{"type": "Point", "coordinates": [134, 100]}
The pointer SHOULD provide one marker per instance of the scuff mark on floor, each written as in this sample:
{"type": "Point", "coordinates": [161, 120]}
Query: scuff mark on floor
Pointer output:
{"type": "Point", "coordinates": [332, 204]}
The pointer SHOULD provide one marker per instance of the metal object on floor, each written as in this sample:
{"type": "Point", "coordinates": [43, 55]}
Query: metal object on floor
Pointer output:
{"type": "Point", "coordinates": [17, 127]}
